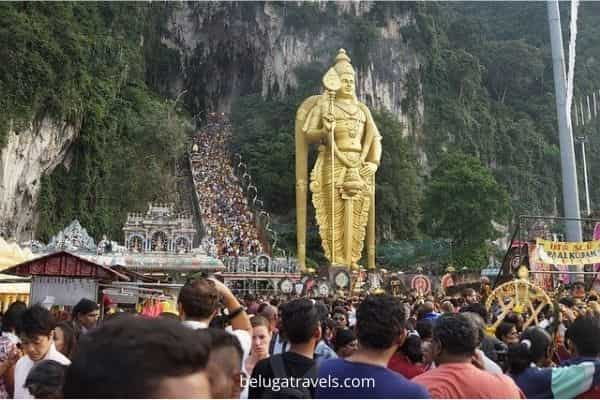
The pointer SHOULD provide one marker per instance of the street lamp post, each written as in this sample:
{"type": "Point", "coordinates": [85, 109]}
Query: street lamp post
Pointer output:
{"type": "Point", "coordinates": [583, 140]}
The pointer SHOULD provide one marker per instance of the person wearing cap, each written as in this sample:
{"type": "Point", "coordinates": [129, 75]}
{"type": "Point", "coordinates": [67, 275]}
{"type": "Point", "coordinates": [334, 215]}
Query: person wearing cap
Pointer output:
{"type": "Point", "coordinates": [85, 316]}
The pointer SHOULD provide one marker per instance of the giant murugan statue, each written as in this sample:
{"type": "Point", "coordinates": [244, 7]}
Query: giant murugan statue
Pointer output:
{"type": "Point", "coordinates": [342, 181]}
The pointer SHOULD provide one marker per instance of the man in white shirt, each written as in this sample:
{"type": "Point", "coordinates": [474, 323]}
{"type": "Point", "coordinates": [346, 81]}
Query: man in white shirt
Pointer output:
{"type": "Point", "coordinates": [36, 333]}
{"type": "Point", "coordinates": [198, 303]}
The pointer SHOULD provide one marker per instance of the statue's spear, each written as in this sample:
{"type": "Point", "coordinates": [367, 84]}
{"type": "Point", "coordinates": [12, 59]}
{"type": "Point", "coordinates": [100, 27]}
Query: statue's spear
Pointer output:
{"type": "Point", "coordinates": [332, 83]}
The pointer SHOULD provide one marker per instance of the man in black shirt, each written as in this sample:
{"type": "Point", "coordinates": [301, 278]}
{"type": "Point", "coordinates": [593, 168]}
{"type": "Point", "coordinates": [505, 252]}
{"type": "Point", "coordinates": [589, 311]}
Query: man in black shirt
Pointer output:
{"type": "Point", "coordinates": [300, 323]}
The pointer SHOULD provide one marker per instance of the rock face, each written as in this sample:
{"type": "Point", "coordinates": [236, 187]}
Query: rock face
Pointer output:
{"type": "Point", "coordinates": [228, 49]}
{"type": "Point", "coordinates": [231, 49]}
{"type": "Point", "coordinates": [27, 156]}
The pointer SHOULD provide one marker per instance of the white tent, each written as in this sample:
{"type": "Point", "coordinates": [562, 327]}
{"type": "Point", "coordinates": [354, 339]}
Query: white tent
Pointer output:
{"type": "Point", "coordinates": [12, 254]}
{"type": "Point", "coordinates": [13, 288]}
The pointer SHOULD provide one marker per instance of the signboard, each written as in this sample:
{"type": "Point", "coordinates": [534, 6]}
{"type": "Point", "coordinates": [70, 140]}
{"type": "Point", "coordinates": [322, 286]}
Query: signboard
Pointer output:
{"type": "Point", "coordinates": [568, 253]}
{"type": "Point", "coordinates": [342, 279]}
{"type": "Point", "coordinates": [286, 286]}
{"type": "Point", "coordinates": [324, 289]}
{"type": "Point", "coordinates": [421, 284]}
{"type": "Point", "coordinates": [447, 281]}
{"type": "Point", "coordinates": [261, 263]}
{"type": "Point", "coordinates": [542, 279]}
{"type": "Point", "coordinates": [596, 283]}
{"type": "Point", "coordinates": [489, 272]}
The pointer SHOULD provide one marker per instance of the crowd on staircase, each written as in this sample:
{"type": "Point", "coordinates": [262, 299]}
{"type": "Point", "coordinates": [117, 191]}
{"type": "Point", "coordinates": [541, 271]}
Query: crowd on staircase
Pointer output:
{"type": "Point", "coordinates": [226, 216]}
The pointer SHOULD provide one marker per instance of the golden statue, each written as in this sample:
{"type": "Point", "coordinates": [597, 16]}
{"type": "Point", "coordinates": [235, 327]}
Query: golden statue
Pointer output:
{"type": "Point", "coordinates": [342, 181]}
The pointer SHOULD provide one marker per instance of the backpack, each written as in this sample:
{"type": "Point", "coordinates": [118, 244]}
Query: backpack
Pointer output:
{"type": "Point", "coordinates": [279, 372]}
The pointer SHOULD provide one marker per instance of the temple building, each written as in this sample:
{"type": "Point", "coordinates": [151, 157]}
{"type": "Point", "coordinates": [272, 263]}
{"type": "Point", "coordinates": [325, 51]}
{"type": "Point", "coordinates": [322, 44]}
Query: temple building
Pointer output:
{"type": "Point", "coordinates": [160, 229]}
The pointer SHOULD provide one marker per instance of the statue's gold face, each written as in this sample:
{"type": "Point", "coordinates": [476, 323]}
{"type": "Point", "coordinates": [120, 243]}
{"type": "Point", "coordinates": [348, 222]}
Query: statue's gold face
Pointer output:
{"type": "Point", "coordinates": [348, 86]}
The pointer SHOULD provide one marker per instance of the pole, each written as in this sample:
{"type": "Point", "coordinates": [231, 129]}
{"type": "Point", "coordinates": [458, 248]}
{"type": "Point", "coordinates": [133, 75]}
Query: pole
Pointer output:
{"type": "Point", "coordinates": [371, 229]}
{"type": "Point", "coordinates": [348, 225]}
{"type": "Point", "coordinates": [565, 132]}
{"type": "Point", "coordinates": [585, 177]}
{"type": "Point", "coordinates": [567, 149]}
{"type": "Point", "coordinates": [331, 144]}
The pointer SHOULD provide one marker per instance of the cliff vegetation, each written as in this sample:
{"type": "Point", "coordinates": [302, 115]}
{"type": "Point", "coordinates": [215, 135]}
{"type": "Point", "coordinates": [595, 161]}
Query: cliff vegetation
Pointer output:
{"type": "Point", "coordinates": [96, 63]}
{"type": "Point", "coordinates": [482, 100]}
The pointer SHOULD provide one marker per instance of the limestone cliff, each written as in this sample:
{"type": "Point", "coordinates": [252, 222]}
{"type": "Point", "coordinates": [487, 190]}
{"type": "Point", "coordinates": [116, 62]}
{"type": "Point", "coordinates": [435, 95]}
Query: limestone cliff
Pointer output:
{"type": "Point", "coordinates": [27, 156]}
{"type": "Point", "coordinates": [228, 49]}
{"type": "Point", "coordinates": [231, 49]}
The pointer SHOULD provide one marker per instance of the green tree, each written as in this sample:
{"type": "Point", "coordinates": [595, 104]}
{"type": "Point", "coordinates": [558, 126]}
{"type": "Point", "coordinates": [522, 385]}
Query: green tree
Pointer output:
{"type": "Point", "coordinates": [461, 200]}
{"type": "Point", "coordinates": [397, 184]}
{"type": "Point", "coordinates": [83, 63]}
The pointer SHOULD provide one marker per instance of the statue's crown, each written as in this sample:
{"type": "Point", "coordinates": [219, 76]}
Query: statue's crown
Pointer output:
{"type": "Point", "coordinates": [342, 63]}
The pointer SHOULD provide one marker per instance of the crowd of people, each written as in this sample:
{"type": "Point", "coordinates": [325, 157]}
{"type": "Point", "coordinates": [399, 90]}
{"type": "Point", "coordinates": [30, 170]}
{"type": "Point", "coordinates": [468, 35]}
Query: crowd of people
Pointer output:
{"type": "Point", "coordinates": [374, 346]}
{"type": "Point", "coordinates": [228, 220]}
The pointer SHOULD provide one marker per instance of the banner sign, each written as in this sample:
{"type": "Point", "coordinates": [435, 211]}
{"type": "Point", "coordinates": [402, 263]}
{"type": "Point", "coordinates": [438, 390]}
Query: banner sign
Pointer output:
{"type": "Point", "coordinates": [545, 281]}
{"type": "Point", "coordinates": [421, 284]}
{"type": "Point", "coordinates": [596, 284]}
{"type": "Point", "coordinates": [568, 253]}
{"type": "Point", "coordinates": [447, 281]}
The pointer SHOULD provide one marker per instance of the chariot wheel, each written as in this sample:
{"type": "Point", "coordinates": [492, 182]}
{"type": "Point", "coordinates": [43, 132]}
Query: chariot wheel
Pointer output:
{"type": "Point", "coordinates": [520, 296]}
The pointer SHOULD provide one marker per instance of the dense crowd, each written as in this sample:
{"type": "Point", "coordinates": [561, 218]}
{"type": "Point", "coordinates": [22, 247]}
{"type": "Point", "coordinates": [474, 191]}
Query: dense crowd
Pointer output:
{"type": "Point", "coordinates": [376, 346]}
{"type": "Point", "coordinates": [228, 220]}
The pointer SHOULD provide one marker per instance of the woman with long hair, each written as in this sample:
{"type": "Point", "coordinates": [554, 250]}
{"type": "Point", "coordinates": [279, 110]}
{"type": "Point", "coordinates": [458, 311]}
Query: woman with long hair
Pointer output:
{"type": "Point", "coordinates": [64, 339]}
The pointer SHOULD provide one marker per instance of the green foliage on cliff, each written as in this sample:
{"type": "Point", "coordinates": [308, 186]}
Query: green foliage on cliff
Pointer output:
{"type": "Point", "coordinates": [119, 164]}
{"type": "Point", "coordinates": [461, 200]}
{"type": "Point", "coordinates": [398, 195]}
{"type": "Point", "coordinates": [486, 80]}
{"type": "Point", "coordinates": [263, 133]}
{"type": "Point", "coordinates": [489, 91]}
{"type": "Point", "coordinates": [85, 63]}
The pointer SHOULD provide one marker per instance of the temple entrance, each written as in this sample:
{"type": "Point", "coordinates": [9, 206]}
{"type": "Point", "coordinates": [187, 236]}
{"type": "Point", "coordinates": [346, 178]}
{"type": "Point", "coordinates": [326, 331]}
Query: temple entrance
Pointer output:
{"type": "Point", "coordinates": [182, 245]}
{"type": "Point", "coordinates": [159, 242]}
{"type": "Point", "coordinates": [136, 244]}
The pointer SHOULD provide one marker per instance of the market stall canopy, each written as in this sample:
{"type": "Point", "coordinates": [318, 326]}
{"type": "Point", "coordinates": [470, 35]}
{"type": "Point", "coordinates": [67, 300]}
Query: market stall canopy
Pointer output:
{"type": "Point", "coordinates": [65, 264]}
{"type": "Point", "coordinates": [12, 254]}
